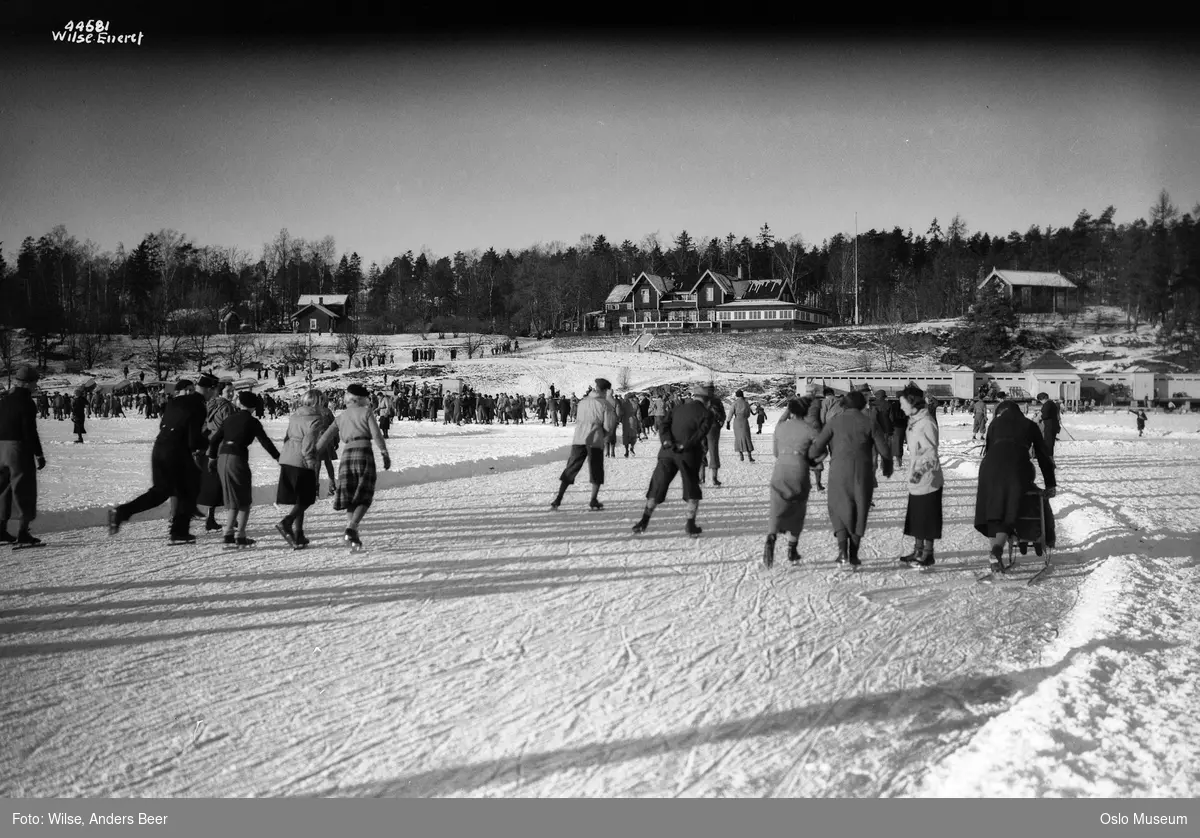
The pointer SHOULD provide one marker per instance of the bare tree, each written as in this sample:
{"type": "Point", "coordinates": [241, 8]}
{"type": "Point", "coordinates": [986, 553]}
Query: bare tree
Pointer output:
{"type": "Point", "coordinates": [370, 346]}
{"type": "Point", "coordinates": [90, 350]}
{"type": "Point", "coordinates": [473, 343]}
{"type": "Point", "coordinates": [163, 347]}
{"type": "Point", "coordinates": [892, 342]}
{"type": "Point", "coordinates": [262, 350]}
{"type": "Point", "coordinates": [239, 351]}
{"type": "Point", "coordinates": [349, 343]}
{"type": "Point", "coordinates": [787, 257]}
{"type": "Point", "coordinates": [299, 352]}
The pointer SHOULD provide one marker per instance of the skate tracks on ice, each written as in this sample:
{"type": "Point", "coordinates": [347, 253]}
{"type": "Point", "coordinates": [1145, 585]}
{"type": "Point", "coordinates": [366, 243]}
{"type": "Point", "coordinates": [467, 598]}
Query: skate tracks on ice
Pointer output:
{"type": "Point", "coordinates": [486, 646]}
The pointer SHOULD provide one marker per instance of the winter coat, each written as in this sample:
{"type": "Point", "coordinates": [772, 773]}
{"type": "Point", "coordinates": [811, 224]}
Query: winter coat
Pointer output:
{"type": "Point", "coordinates": [629, 421]}
{"type": "Point", "coordinates": [354, 427]}
{"type": "Point", "coordinates": [1006, 473]}
{"type": "Point", "coordinates": [790, 484]}
{"type": "Point", "coordinates": [924, 465]}
{"type": "Point", "coordinates": [740, 420]}
{"type": "Point", "coordinates": [851, 438]}
{"type": "Point", "coordinates": [595, 420]}
{"type": "Point", "coordinates": [713, 440]}
{"type": "Point", "coordinates": [305, 427]}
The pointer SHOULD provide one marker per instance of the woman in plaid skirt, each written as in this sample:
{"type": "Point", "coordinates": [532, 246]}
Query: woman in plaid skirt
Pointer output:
{"type": "Point", "coordinates": [356, 428]}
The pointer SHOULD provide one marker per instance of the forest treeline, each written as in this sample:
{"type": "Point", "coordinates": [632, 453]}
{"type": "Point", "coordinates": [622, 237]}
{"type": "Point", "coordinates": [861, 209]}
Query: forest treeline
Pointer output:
{"type": "Point", "coordinates": [60, 285]}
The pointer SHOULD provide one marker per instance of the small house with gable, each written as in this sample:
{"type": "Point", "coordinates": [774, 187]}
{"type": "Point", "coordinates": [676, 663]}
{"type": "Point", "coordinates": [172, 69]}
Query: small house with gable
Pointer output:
{"type": "Point", "coordinates": [1035, 292]}
{"type": "Point", "coordinates": [320, 313]}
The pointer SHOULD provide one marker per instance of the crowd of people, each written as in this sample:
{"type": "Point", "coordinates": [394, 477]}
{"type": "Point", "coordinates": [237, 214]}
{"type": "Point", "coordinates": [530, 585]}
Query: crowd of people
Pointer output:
{"type": "Point", "coordinates": [841, 443]}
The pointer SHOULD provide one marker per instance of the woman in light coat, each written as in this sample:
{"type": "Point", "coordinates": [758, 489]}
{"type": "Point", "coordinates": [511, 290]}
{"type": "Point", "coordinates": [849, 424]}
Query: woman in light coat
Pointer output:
{"type": "Point", "coordinates": [299, 467]}
{"type": "Point", "coordinates": [923, 520]}
{"type": "Point", "coordinates": [739, 418]}
{"type": "Point", "coordinates": [790, 484]}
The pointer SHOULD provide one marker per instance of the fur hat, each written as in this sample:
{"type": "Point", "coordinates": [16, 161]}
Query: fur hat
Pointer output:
{"type": "Point", "coordinates": [603, 384]}
{"type": "Point", "coordinates": [246, 398]}
{"type": "Point", "coordinates": [26, 373]}
{"type": "Point", "coordinates": [357, 389]}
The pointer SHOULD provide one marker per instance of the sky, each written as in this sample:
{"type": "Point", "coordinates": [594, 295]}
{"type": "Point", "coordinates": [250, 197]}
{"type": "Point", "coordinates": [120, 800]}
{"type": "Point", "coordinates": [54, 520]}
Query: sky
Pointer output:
{"type": "Point", "coordinates": [508, 143]}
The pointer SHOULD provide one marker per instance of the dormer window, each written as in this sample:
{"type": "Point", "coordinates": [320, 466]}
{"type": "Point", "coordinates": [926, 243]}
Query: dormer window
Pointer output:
{"type": "Point", "coordinates": [708, 294]}
{"type": "Point", "coordinates": [646, 295]}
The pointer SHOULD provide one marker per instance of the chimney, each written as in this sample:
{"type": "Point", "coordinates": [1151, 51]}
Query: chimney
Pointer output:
{"type": "Point", "coordinates": [741, 272]}
{"type": "Point", "coordinates": [320, 301]}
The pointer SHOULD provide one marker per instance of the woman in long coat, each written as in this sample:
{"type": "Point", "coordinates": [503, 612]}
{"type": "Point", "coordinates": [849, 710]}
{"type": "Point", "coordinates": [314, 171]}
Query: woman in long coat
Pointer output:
{"type": "Point", "coordinates": [923, 518]}
{"type": "Point", "coordinates": [629, 422]}
{"type": "Point", "coordinates": [299, 465]}
{"type": "Point", "coordinates": [790, 484]}
{"type": "Point", "coordinates": [1006, 474]}
{"type": "Point", "coordinates": [850, 437]}
{"type": "Point", "coordinates": [739, 418]}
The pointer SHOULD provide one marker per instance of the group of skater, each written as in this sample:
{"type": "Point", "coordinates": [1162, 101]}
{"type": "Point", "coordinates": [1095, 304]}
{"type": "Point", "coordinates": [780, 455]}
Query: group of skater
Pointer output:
{"type": "Point", "coordinates": [858, 437]}
{"type": "Point", "coordinates": [841, 443]}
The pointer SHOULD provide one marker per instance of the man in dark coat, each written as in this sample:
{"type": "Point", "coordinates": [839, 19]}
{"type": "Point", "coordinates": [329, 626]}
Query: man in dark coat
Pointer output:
{"type": "Point", "coordinates": [682, 431]}
{"type": "Point", "coordinates": [1049, 421]}
{"type": "Point", "coordinates": [175, 465]}
{"type": "Point", "coordinates": [712, 444]}
{"type": "Point", "coordinates": [852, 439]}
{"type": "Point", "coordinates": [1006, 475]}
{"type": "Point", "coordinates": [20, 457]}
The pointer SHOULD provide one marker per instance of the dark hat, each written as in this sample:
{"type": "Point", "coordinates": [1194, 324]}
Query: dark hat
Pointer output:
{"type": "Point", "coordinates": [703, 390]}
{"type": "Point", "coordinates": [183, 384]}
{"type": "Point", "coordinates": [246, 398]}
{"type": "Point", "coordinates": [855, 400]}
{"type": "Point", "coordinates": [27, 373]}
{"type": "Point", "coordinates": [603, 384]}
{"type": "Point", "coordinates": [208, 380]}
{"type": "Point", "coordinates": [357, 390]}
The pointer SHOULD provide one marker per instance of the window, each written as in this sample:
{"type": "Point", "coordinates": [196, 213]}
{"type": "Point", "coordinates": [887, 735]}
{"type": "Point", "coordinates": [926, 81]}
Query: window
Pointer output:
{"type": "Point", "coordinates": [739, 315]}
{"type": "Point", "coordinates": [769, 315]}
{"type": "Point", "coordinates": [312, 324]}
{"type": "Point", "coordinates": [708, 294]}
{"type": "Point", "coordinates": [646, 296]}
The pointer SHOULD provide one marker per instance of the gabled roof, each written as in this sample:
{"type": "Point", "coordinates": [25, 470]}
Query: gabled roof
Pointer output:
{"type": "Point", "coordinates": [1039, 279]}
{"type": "Point", "coordinates": [661, 285]}
{"type": "Point", "coordinates": [619, 294]}
{"type": "Point", "coordinates": [319, 308]}
{"type": "Point", "coordinates": [724, 282]}
{"type": "Point", "coordinates": [322, 299]}
{"type": "Point", "coordinates": [1052, 361]}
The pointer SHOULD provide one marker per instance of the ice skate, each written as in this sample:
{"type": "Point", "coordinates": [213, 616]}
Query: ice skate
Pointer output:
{"type": "Point", "coordinates": [25, 540]}
{"type": "Point", "coordinates": [6, 537]}
{"type": "Point", "coordinates": [286, 534]}
{"type": "Point", "coordinates": [640, 526]}
{"type": "Point", "coordinates": [595, 504]}
{"type": "Point", "coordinates": [793, 556]}
{"type": "Point", "coordinates": [354, 542]}
{"type": "Point", "coordinates": [691, 528]}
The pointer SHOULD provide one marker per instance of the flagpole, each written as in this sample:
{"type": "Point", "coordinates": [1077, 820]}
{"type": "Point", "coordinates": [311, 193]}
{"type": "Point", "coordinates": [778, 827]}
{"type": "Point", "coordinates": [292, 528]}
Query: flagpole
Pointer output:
{"type": "Point", "coordinates": [857, 319]}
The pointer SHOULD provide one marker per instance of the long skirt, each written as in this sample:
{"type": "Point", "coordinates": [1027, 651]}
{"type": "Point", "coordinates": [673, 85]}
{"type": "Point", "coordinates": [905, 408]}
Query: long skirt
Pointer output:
{"type": "Point", "coordinates": [297, 485]}
{"type": "Point", "coordinates": [210, 490]}
{"type": "Point", "coordinates": [923, 519]}
{"type": "Point", "coordinates": [356, 479]}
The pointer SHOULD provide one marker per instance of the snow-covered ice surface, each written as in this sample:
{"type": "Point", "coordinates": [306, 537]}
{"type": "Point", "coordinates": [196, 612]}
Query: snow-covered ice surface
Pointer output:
{"type": "Point", "coordinates": [486, 646]}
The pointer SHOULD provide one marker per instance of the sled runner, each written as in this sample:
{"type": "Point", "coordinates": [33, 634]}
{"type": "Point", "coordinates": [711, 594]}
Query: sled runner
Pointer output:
{"type": "Point", "coordinates": [1031, 526]}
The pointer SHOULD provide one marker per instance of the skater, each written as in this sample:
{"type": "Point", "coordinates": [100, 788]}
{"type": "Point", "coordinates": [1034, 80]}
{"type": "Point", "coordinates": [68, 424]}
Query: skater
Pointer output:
{"type": "Point", "coordinates": [79, 408]}
{"type": "Point", "coordinates": [629, 423]}
{"type": "Point", "coordinates": [739, 418]}
{"type": "Point", "coordinates": [595, 419]}
{"type": "Point", "coordinates": [21, 457]}
{"type": "Point", "coordinates": [923, 519]}
{"type": "Point", "coordinates": [229, 456]}
{"type": "Point", "coordinates": [790, 484]}
{"type": "Point", "coordinates": [980, 427]}
{"type": "Point", "coordinates": [761, 416]}
{"type": "Point", "coordinates": [1006, 474]}
{"type": "Point", "coordinates": [850, 437]}
{"type": "Point", "coordinates": [1141, 420]}
{"type": "Point", "coordinates": [682, 432]}
{"type": "Point", "coordinates": [299, 467]}
{"type": "Point", "coordinates": [356, 428]}
{"type": "Point", "coordinates": [218, 408]}
{"type": "Point", "coordinates": [175, 461]}
{"type": "Point", "coordinates": [326, 410]}
{"type": "Point", "coordinates": [712, 450]}
{"type": "Point", "coordinates": [1050, 421]}
{"type": "Point", "coordinates": [610, 442]}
